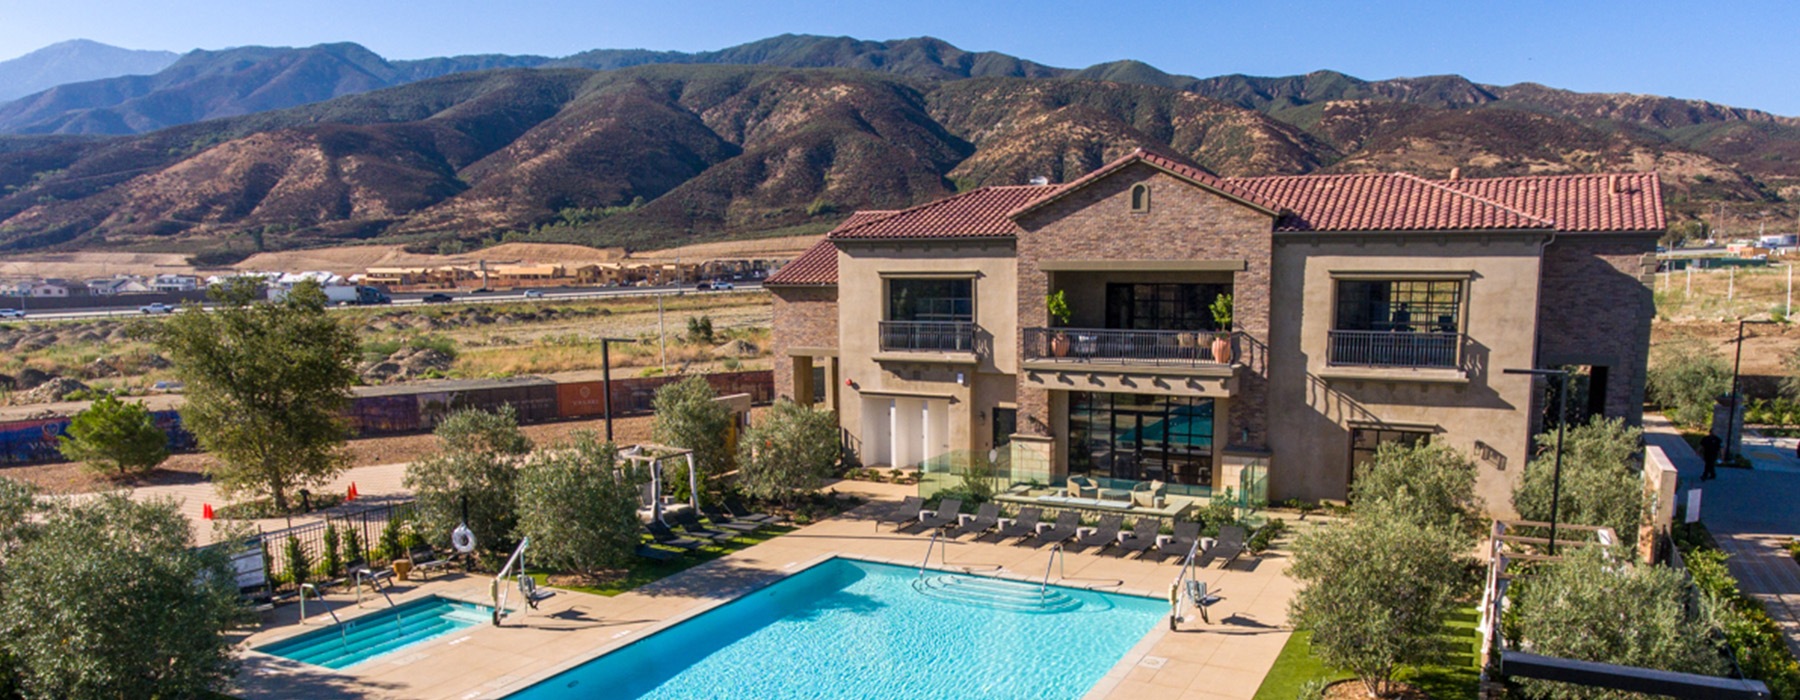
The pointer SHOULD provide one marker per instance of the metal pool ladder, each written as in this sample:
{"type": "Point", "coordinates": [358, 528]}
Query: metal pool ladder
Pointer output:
{"type": "Point", "coordinates": [342, 635]}
{"type": "Point", "coordinates": [1057, 555]}
{"type": "Point", "coordinates": [928, 548]}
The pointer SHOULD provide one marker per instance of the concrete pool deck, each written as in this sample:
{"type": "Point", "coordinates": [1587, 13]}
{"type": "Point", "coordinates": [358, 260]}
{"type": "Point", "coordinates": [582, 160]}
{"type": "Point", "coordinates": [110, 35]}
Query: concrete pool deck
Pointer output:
{"type": "Point", "coordinates": [1225, 659]}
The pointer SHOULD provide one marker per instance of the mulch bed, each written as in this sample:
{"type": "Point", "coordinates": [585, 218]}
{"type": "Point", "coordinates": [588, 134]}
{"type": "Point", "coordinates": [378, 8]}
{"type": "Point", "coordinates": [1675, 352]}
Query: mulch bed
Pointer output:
{"type": "Point", "coordinates": [1354, 690]}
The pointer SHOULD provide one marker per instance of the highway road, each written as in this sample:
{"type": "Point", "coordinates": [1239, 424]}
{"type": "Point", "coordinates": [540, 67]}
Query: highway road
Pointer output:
{"type": "Point", "coordinates": [514, 296]}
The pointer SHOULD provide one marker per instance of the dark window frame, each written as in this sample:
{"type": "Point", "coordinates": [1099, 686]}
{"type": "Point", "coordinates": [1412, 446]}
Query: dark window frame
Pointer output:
{"type": "Point", "coordinates": [1417, 305]}
{"type": "Point", "coordinates": [950, 307]}
{"type": "Point", "coordinates": [1162, 306]}
{"type": "Point", "coordinates": [1380, 435]}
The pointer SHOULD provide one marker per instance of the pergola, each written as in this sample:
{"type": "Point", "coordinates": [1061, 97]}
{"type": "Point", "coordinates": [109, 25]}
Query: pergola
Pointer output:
{"type": "Point", "coordinates": [653, 455]}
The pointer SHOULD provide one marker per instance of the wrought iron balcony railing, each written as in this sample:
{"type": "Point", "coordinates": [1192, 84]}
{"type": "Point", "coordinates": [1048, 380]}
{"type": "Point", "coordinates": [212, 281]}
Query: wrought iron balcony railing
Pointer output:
{"type": "Point", "coordinates": [927, 336]}
{"type": "Point", "coordinates": [1395, 349]}
{"type": "Point", "coordinates": [1127, 347]}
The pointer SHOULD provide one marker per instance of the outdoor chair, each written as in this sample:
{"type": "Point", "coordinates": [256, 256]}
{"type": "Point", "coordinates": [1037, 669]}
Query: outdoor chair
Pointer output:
{"type": "Point", "coordinates": [358, 572]}
{"type": "Point", "coordinates": [720, 518]}
{"type": "Point", "coordinates": [667, 537]}
{"type": "Point", "coordinates": [1186, 535]}
{"type": "Point", "coordinates": [691, 525]}
{"type": "Point", "coordinates": [908, 513]}
{"type": "Point", "coordinates": [1106, 535]}
{"type": "Point", "coordinates": [1083, 487]}
{"type": "Point", "coordinates": [1143, 536]}
{"type": "Point", "coordinates": [653, 554]}
{"type": "Point", "coordinates": [1229, 546]}
{"type": "Point", "coordinates": [1149, 494]}
{"type": "Point", "coordinates": [985, 519]}
{"type": "Point", "coordinates": [737, 510]}
{"type": "Point", "coordinates": [1068, 523]}
{"type": "Point", "coordinates": [425, 559]}
{"type": "Point", "coordinates": [946, 514]}
{"type": "Point", "coordinates": [1026, 525]}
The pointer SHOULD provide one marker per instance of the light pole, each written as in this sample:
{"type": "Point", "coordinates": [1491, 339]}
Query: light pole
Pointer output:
{"type": "Point", "coordinates": [1562, 418]}
{"type": "Point", "coordinates": [606, 379]}
{"type": "Point", "coordinates": [1736, 363]}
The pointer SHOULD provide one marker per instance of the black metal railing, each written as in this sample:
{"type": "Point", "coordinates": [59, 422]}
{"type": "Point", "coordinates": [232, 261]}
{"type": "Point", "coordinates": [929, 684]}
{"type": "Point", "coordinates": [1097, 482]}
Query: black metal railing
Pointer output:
{"type": "Point", "coordinates": [1394, 349]}
{"type": "Point", "coordinates": [928, 336]}
{"type": "Point", "coordinates": [1116, 346]}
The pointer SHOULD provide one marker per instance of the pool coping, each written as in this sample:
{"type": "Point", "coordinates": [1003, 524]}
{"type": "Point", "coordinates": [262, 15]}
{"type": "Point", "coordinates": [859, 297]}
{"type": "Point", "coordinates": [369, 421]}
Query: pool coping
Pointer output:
{"type": "Point", "coordinates": [1132, 657]}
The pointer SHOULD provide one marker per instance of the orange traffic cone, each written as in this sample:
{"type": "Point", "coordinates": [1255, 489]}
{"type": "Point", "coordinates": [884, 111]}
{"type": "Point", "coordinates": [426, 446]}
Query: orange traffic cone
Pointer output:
{"type": "Point", "coordinates": [352, 495]}
{"type": "Point", "coordinates": [206, 511]}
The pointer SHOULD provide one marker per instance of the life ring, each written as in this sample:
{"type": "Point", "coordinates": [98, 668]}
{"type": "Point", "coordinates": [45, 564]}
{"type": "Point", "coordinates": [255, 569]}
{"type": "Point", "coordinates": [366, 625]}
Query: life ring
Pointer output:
{"type": "Point", "coordinates": [462, 539]}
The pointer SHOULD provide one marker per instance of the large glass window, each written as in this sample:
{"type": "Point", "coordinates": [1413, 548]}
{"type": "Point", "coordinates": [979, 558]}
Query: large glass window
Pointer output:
{"type": "Point", "coordinates": [1420, 306]}
{"type": "Point", "coordinates": [931, 300]}
{"type": "Point", "coordinates": [1162, 307]}
{"type": "Point", "coordinates": [1139, 437]}
{"type": "Point", "coordinates": [1365, 441]}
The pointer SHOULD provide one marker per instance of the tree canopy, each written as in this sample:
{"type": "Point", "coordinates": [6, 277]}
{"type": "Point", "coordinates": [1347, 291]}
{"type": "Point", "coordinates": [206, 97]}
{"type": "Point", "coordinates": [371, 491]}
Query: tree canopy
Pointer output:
{"type": "Point", "coordinates": [689, 416]}
{"type": "Point", "coordinates": [476, 463]}
{"type": "Point", "coordinates": [1686, 376]}
{"type": "Point", "coordinates": [1602, 478]}
{"type": "Point", "coordinates": [793, 448]}
{"type": "Point", "coordinates": [266, 383]}
{"type": "Point", "coordinates": [1439, 478]}
{"type": "Point", "coordinates": [579, 507]}
{"type": "Point", "coordinates": [115, 437]}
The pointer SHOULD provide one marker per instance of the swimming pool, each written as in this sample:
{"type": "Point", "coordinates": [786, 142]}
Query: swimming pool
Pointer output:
{"type": "Point", "coordinates": [855, 629]}
{"type": "Point", "coordinates": [380, 632]}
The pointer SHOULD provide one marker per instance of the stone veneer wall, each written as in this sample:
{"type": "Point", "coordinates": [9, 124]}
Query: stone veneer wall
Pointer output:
{"type": "Point", "coordinates": [1184, 223]}
{"type": "Point", "coordinates": [1595, 308]}
{"type": "Point", "coordinates": [804, 317]}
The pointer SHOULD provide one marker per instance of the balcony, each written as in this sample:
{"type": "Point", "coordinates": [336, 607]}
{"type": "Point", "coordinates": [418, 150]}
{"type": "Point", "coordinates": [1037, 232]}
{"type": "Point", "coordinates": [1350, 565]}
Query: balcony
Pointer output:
{"type": "Point", "coordinates": [1394, 349]}
{"type": "Point", "coordinates": [928, 336]}
{"type": "Point", "coordinates": [1123, 347]}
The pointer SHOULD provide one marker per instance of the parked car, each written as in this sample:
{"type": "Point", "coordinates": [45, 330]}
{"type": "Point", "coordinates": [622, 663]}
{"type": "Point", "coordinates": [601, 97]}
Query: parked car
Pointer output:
{"type": "Point", "coordinates": [534, 294]}
{"type": "Point", "coordinates": [438, 298]}
{"type": "Point", "coordinates": [12, 313]}
{"type": "Point", "coordinates": [156, 308]}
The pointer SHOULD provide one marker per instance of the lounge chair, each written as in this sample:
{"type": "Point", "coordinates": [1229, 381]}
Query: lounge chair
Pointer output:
{"type": "Point", "coordinates": [720, 518]}
{"type": "Point", "coordinates": [1106, 535]}
{"type": "Point", "coordinates": [667, 538]}
{"type": "Point", "coordinates": [1068, 523]}
{"type": "Point", "coordinates": [1026, 525]}
{"type": "Point", "coordinates": [737, 510]}
{"type": "Point", "coordinates": [946, 514]}
{"type": "Point", "coordinates": [358, 572]}
{"type": "Point", "coordinates": [425, 559]}
{"type": "Point", "coordinates": [1228, 546]}
{"type": "Point", "coordinates": [1142, 537]}
{"type": "Point", "coordinates": [691, 525]}
{"type": "Point", "coordinates": [908, 513]}
{"type": "Point", "coordinates": [985, 519]}
{"type": "Point", "coordinates": [1186, 534]}
{"type": "Point", "coordinates": [654, 554]}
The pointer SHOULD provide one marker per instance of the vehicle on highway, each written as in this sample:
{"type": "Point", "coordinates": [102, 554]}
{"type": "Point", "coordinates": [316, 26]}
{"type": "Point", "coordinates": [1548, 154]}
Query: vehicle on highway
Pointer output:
{"type": "Point", "coordinates": [436, 298]}
{"type": "Point", "coordinates": [343, 295]}
{"type": "Point", "coordinates": [704, 286]}
{"type": "Point", "coordinates": [156, 308]}
{"type": "Point", "coordinates": [12, 313]}
{"type": "Point", "coordinates": [481, 290]}
{"type": "Point", "coordinates": [534, 294]}
{"type": "Point", "coordinates": [724, 285]}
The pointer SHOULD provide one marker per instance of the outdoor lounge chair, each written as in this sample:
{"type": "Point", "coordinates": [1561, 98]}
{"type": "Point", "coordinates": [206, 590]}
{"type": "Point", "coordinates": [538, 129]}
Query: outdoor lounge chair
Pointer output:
{"type": "Point", "coordinates": [1142, 537]}
{"type": "Point", "coordinates": [425, 559]}
{"type": "Point", "coordinates": [1026, 525]}
{"type": "Point", "coordinates": [691, 525]}
{"type": "Point", "coordinates": [720, 518]}
{"type": "Point", "coordinates": [1106, 535]}
{"type": "Point", "coordinates": [654, 554]}
{"type": "Point", "coordinates": [1083, 487]}
{"type": "Point", "coordinates": [1068, 523]}
{"type": "Point", "coordinates": [946, 514]}
{"type": "Point", "coordinates": [907, 514]}
{"type": "Point", "coordinates": [1228, 547]}
{"type": "Point", "coordinates": [985, 519]}
{"type": "Point", "coordinates": [737, 510]}
{"type": "Point", "coordinates": [1186, 534]}
{"type": "Point", "coordinates": [359, 571]}
{"type": "Point", "coordinates": [1149, 494]}
{"type": "Point", "coordinates": [667, 537]}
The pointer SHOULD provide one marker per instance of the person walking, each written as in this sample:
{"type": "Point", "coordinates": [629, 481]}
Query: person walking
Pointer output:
{"type": "Point", "coordinates": [1709, 452]}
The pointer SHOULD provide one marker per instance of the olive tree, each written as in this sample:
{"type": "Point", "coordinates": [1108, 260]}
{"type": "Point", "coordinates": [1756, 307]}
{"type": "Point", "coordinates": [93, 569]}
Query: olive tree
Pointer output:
{"type": "Point", "coordinates": [689, 415]}
{"type": "Point", "coordinates": [1439, 478]}
{"type": "Point", "coordinates": [477, 465]}
{"type": "Point", "coordinates": [267, 383]}
{"type": "Point", "coordinates": [1591, 608]}
{"type": "Point", "coordinates": [1377, 589]}
{"type": "Point", "coordinates": [115, 437]}
{"type": "Point", "coordinates": [1685, 377]}
{"type": "Point", "coordinates": [1602, 478]}
{"type": "Point", "coordinates": [108, 598]}
{"type": "Point", "coordinates": [579, 507]}
{"type": "Point", "coordinates": [792, 449]}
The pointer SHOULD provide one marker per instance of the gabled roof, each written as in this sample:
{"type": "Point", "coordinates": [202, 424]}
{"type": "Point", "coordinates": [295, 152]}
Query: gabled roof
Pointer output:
{"type": "Point", "coordinates": [978, 213]}
{"type": "Point", "coordinates": [1181, 170]}
{"type": "Point", "coordinates": [1576, 203]}
{"type": "Point", "coordinates": [818, 265]}
{"type": "Point", "coordinates": [1382, 202]}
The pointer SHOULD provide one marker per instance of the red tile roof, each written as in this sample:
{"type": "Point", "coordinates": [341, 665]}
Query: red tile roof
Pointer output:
{"type": "Point", "coordinates": [1164, 163]}
{"type": "Point", "coordinates": [1382, 202]}
{"type": "Point", "coordinates": [978, 213]}
{"type": "Point", "coordinates": [1597, 202]}
{"type": "Point", "coordinates": [818, 265]}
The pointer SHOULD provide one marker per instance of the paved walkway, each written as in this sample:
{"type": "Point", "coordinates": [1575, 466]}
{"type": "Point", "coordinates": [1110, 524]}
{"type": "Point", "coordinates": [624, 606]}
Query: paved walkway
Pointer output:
{"type": "Point", "coordinates": [1752, 514]}
{"type": "Point", "coordinates": [1225, 659]}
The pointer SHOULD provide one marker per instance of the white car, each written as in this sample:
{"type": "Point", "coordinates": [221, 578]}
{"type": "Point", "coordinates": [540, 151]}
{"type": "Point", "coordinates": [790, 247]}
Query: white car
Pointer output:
{"type": "Point", "coordinates": [12, 313]}
{"type": "Point", "coordinates": [156, 308]}
{"type": "Point", "coordinates": [722, 285]}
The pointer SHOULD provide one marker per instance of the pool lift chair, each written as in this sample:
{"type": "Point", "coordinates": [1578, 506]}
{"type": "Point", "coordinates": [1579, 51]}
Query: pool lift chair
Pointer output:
{"type": "Point", "coordinates": [527, 585]}
{"type": "Point", "coordinates": [1190, 590]}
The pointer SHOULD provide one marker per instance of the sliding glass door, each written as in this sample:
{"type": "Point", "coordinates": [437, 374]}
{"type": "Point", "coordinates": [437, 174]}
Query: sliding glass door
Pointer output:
{"type": "Point", "coordinates": [1140, 437]}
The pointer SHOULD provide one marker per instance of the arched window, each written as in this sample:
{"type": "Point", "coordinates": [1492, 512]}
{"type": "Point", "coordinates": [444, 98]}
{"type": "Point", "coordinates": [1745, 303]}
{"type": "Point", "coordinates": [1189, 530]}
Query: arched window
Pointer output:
{"type": "Point", "coordinates": [1140, 198]}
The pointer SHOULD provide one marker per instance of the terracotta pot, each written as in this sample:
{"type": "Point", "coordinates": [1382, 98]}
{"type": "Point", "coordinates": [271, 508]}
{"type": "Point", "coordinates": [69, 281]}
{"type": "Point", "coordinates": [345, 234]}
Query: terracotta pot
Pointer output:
{"type": "Point", "coordinates": [1059, 345]}
{"type": "Point", "coordinates": [1221, 349]}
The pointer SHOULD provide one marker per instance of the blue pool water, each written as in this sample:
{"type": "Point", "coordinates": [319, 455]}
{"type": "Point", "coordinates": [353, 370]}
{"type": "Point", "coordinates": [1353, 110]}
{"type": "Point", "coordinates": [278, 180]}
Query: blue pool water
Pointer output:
{"type": "Point", "coordinates": [853, 629]}
{"type": "Point", "coordinates": [380, 632]}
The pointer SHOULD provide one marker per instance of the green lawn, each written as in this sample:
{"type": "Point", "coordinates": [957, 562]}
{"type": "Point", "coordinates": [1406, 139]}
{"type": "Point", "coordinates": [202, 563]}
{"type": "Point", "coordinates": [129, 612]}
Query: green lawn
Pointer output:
{"type": "Point", "coordinates": [1457, 678]}
{"type": "Point", "coordinates": [645, 571]}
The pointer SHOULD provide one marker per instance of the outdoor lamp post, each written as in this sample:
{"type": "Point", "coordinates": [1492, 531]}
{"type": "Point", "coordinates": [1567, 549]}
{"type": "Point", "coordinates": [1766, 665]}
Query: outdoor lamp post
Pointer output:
{"type": "Point", "coordinates": [1736, 362]}
{"type": "Point", "coordinates": [606, 379]}
{"type": "Point", "coordinates": [1562, 419]}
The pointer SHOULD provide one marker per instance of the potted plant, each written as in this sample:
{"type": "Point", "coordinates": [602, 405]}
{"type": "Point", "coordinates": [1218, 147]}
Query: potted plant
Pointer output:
{"type": "Point", "coordinates": [1221, 313]}
{"type": "Point", "coordinates": [1057, 305]}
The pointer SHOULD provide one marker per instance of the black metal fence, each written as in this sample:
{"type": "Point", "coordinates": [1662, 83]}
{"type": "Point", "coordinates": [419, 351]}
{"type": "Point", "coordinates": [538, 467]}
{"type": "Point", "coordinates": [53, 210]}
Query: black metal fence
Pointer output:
{"type": "Point", "coordinates": [1395, 349]}
{"type": "Point", "coordinates": [1119, 346]}
{"type": "Point", "coordinates": [368, 524]}
{"type": "Point", "coordinates": [933, 336]}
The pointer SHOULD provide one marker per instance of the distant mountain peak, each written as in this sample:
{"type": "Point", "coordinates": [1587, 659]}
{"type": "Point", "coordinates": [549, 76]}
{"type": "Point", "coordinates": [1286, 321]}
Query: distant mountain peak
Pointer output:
{"type": "Point", "coordinates": [75, 60]}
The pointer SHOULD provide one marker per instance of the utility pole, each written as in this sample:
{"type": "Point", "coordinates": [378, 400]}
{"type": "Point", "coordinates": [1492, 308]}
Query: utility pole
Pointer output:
{"type": "Point", "coordinates": [606, 380]}
{"type": "Point", "coordinates": [1790, 293]}
{"type": "Point", "coordinates": [1731, 283]}
{"type": "Point", "coordinates": [1562, 418]}
{"type": "Point", "coordinates": [662, 342]}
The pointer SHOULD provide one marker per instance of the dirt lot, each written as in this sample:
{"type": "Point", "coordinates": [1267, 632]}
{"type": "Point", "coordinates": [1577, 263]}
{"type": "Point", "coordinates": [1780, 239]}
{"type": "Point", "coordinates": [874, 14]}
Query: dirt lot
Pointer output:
{"type": "Point", "coordinates": [1765, 347]}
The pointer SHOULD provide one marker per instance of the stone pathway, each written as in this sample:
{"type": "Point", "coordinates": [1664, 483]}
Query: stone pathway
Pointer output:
{"type": "Point", "coordinates": [1752, 514]}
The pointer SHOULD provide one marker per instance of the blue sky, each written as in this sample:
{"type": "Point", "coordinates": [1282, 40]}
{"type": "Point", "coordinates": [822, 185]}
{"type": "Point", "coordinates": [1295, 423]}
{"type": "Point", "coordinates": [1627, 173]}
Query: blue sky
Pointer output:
{"type": "Point", "coordinates": [1740, 54]}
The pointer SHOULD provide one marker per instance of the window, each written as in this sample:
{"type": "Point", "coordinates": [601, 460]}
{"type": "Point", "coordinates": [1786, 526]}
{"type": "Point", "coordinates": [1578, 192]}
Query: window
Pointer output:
{"type": "Point", "coordinates": [1365, 441]}
{"type": "Point", "coordinates": [1140, 198]}
{"type": "Point", "coordinates": [1162, 307]}
{"type": "Point", "coordinates": [1138, 437]}
{"type": "Point", "coordinates": [1419, 306]}
{"type": "Point", "coordinates": [818, 385]}
{"type": "Point", "coordinates": [931, 300]}
{"type": "Point", "coordinates": [1006, 423]}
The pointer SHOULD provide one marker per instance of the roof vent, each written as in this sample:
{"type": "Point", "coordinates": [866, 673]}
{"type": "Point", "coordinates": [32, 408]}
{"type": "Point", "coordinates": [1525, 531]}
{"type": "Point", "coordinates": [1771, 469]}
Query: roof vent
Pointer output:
{"type": "Point", "coordinates": [1040, 180]}
{"type": "Point", "coordinates": [1456, 173]}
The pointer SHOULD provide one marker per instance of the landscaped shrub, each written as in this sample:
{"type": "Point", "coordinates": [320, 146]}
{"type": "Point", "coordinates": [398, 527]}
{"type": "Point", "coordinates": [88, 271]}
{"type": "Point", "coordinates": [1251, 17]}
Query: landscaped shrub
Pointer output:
{"type": "Point", "coordinates": [1440, 479]}
{"type": "Point", "coordinates": [793, 449]}
{"type": "Point", "coordinates": [689, 416]}
{"type": "Point", "coordinates": [578, 508]}
{"type": "Point", "coordinates": [333, 560]}
{"type": "Point", "coordinates": [1602, 482]}
{"type": "Point", "coordinates": [1267, 534]}
{"type": "Point", "coordinates": [299, 566]}
{"type": "Point", "coordinates": [1686, 375]}
{"type": "Point", "coordinates": [390, 548]}
{"type": "Point", "coordinates": [1754, 638]}
{"type": "Point", "coordinates": [476, 468]}
{"type": "Point", "coordinates": [353, 545]}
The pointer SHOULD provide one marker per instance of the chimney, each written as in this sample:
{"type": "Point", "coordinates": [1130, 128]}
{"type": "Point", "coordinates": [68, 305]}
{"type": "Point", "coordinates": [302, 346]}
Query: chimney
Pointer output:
{"type": "Point", "coordinates": [1040, 180]}
{"type": "Point", "coordinates": [1612, 183]}
{"type": "Point", "coordinates": [1456, 173]}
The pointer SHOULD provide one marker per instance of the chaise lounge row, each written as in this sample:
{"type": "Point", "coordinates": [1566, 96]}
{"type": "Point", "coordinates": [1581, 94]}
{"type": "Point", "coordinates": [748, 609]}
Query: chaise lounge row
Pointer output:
{"type": "Point", "coordinates": [1028, 528]}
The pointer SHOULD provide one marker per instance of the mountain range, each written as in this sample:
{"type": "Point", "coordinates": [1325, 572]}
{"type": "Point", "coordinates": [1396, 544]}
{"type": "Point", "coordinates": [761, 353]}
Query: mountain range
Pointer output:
{"type": "Point", "coordinates": [228, 152]}
{"type": "Point", "coordinates": [75, 61]}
